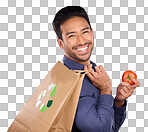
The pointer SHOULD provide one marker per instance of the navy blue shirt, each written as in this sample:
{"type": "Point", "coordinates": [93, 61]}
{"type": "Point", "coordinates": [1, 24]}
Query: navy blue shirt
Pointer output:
{"type": "Point", "coordinates": [95, 112]}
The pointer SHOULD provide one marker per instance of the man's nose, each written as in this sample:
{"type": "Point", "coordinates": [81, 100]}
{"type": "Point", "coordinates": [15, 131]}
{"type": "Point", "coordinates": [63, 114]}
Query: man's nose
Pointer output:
{"type": "Point", "coordinates": [80, 39]}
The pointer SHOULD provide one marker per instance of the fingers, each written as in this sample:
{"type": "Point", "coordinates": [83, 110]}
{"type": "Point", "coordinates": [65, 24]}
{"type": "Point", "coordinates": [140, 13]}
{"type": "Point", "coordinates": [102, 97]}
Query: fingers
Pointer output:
{"type": "Point", "coordinates": [128, 86]}
{"type": "Point", "coordinates": [101, 68]}
{"type": "Point", "coordinates": [137, 84]}
{"type": "Point", "coordinates": [125, 92]}
{"type": "Point", "coordinates": [129, 91]}
{"type": "Point", "coordinates": [89, 73]}
{"type": "Point", "coordinates": [125, 89]}
{"type": "Point", "coordinates": [93, 73]}
{"type": "Point", "coordinates": [98, 69]}
{"type": "Point", "coordinates": [125, 84]}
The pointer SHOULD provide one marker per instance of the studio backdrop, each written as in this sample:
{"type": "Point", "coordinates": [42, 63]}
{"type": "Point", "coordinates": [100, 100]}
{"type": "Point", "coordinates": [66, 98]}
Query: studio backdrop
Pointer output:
{"type": "Point", "coordinates": [28, 50]}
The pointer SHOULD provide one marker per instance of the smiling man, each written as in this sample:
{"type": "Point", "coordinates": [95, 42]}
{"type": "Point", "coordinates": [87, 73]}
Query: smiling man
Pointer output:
{"type": "Point", "coordinates": [77, 39]}
{"type": "Point", "coordinates": [97, 110]}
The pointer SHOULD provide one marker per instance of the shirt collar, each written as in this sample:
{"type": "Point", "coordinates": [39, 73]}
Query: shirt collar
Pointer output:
{"type": "Point", "coordinates": [73, 65]}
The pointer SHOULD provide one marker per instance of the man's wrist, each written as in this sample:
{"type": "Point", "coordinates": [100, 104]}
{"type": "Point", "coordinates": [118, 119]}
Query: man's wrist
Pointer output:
{"type": "Point", "coordinates": [119, 103]}
{"type": "Point", "coordinates": [106, 91]}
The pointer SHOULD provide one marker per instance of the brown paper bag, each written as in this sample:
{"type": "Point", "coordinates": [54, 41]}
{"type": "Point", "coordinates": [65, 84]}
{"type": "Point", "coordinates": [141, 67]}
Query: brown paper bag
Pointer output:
{"type": "Point", "coordinates": [53, 104]}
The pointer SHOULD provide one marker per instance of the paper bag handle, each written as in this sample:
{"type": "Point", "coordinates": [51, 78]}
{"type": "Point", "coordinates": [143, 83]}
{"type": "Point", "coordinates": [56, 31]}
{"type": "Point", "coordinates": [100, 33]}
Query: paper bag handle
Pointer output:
{"type": "Point", "coordinates": [79, 71]}
{"type": "Point", "coordinates": [82, 71]}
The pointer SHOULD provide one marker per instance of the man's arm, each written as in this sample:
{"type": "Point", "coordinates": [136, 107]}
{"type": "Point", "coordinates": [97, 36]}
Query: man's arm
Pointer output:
{"type": "Point", "coordinates": [100, 116]}
{"type": "Point", "coordinates": [95, 116]}
{"type": "Point", "coordinates": [120, 115]}
{"type": "Point", "coordinates": [101, 80]}
{"type": "Point", "coordinates": [124, 91]}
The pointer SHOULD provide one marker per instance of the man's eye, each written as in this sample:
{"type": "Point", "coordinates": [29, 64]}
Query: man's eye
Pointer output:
{"type": "Point", "coordinates": [71, 36]}
{"type": "Point", "coordinates": [85, 32]}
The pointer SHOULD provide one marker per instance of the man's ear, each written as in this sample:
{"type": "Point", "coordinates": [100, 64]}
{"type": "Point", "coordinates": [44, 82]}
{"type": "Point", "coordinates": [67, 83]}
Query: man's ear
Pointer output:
{"type": "Point", "coordinates": [92, 33]}
{"type": "Point", "coordinates": [60, 42]}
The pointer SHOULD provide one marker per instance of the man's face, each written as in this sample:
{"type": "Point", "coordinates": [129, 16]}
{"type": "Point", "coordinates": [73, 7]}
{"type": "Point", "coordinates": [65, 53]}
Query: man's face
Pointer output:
{"type": "Point", "coordinates": [78, 40]}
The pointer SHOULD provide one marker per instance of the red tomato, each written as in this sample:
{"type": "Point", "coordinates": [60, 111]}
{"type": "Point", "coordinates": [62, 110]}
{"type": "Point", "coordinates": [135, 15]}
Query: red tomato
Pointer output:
{"type": "Point", "coordinates": [128, 76]}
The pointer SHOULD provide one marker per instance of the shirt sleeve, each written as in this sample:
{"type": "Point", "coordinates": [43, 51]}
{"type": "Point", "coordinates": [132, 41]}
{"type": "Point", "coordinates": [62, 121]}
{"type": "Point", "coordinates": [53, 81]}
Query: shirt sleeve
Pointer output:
{"type": "Point", "coordinates": [92, 117]}
{"type": "Point", "coordinates": [120, 115]}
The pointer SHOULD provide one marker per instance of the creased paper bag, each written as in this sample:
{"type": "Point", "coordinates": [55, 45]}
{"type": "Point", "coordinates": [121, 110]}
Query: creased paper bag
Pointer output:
{"type": "Point", "coordinates": [53, 104]}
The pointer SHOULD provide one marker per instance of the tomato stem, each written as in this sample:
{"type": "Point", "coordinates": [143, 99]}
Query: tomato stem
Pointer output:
{"type": "Point", "coordinates": [128, 78]}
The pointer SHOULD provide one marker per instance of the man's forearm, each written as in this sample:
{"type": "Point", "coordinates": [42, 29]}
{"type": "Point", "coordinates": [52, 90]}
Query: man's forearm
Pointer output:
{"type": "Point", "coordinates": [118, 103]}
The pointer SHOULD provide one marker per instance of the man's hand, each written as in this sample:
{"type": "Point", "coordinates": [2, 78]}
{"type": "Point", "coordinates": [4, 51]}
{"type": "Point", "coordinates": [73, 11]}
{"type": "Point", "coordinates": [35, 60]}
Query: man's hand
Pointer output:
{"type": "Point", "coordinates": [99, 79]}
{"type": "Point", "coordinates": [124, 91]}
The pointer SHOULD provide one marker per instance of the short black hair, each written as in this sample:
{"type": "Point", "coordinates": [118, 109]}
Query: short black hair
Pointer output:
{"type": "Point", "coordinates": [66, 13]}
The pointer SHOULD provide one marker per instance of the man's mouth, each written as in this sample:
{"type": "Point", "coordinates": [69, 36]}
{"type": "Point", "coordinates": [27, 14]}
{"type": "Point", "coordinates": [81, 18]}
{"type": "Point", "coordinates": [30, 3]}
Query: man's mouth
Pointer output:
{"type": "Point", "coordinates": [82, 49]}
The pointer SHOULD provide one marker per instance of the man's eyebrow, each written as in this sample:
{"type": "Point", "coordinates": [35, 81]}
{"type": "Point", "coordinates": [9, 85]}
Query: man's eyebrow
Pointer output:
{"type": "Point", "coordinates": [69, 33]}
{"type": "Point", "coordinates": [85, 28]}
{"type": "Point", "coordinates": [75, 32]}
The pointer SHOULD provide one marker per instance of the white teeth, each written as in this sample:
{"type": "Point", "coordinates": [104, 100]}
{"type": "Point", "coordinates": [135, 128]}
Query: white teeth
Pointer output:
{"type": "Point", "coordinates": [82, 49]}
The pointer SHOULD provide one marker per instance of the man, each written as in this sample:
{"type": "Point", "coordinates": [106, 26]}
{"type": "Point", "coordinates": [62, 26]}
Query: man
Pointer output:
{"type": "Point", "coordinates": [97, 110]}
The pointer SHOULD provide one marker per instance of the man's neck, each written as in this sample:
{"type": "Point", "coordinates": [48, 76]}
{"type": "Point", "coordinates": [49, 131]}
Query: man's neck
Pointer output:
{"type": "Point", "coordinates": [81, 62]}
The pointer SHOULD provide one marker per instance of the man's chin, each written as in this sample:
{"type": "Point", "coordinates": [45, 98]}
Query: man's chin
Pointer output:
{"type": "Point", "coordinates": [79, 57]}
{"type": "Point", "coordinates": [83, 58]}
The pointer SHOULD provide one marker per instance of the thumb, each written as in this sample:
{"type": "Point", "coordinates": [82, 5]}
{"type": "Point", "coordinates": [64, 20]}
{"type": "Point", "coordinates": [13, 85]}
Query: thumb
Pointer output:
{"type": "Point", "coordinates": [85, 68]}
{"type": "Point", "coordinates": [137, 84]}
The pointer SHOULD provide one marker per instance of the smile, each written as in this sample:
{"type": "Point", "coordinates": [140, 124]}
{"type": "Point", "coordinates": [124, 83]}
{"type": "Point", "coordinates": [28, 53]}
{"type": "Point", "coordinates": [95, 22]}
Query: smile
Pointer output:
{"type": "Point", "coordinates": [82, 49]}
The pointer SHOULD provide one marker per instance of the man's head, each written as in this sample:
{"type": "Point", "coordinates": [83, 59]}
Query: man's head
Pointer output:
{"type": "Point", "coordinates": [66, 13]}
{"type": "Point", "coordinates": [74, 33]}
